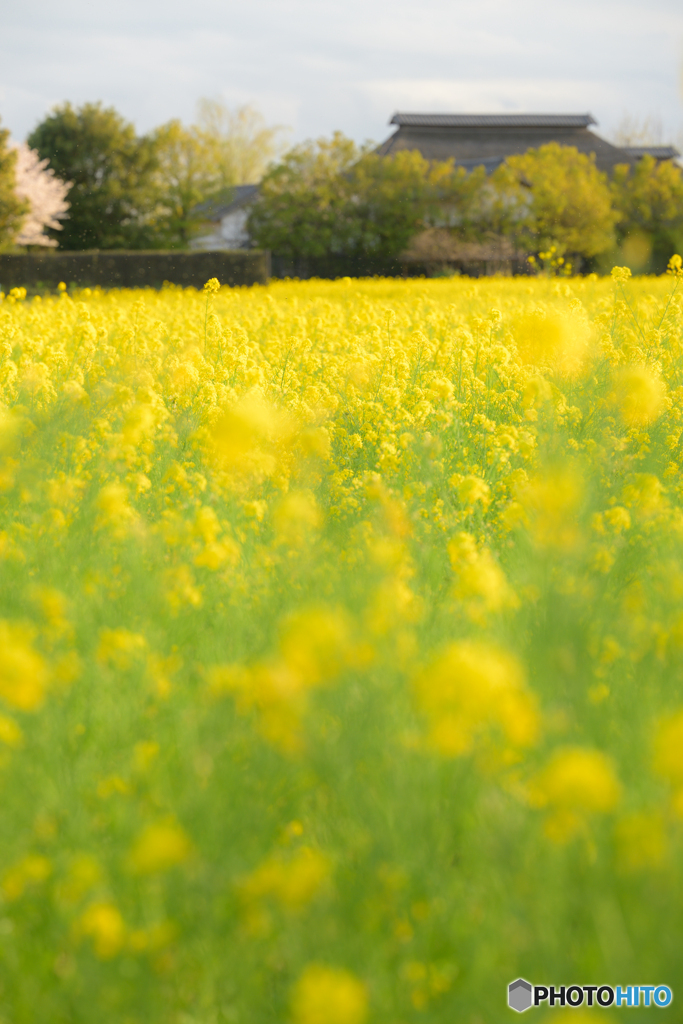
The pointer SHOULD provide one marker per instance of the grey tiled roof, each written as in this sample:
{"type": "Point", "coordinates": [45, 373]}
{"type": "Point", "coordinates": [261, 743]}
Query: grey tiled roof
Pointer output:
{"type": "Point", "coordinates": [658, 152]}
{"type": "Point", "coordinates": [493, 120]}
{"type": "Point", "coordinates": [215, 208]}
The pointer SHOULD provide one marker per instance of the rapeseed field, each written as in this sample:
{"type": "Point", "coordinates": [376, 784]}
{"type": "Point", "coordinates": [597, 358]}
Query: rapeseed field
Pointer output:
{"type": "Point", "coordinates": [341, 649]}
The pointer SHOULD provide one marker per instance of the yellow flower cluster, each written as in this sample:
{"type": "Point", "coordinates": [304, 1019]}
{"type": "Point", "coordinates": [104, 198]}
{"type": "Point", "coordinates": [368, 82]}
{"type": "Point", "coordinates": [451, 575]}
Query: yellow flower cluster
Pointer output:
{"type": "Point", "coordinates": [340, 645]}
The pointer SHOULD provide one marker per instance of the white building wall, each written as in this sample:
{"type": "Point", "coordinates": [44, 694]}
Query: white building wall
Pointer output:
{"type": "Point", "coordinates": [228, 233]}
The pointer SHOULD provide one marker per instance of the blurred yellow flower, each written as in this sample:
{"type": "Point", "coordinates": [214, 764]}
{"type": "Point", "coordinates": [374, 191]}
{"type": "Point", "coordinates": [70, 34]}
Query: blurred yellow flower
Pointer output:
{"type": "Point", "coordinates": [315, 644]}
{"type": "Point", "coordinates": [119, 648]}
{"type": "Point", "coordinates": [153, 938]}
{"type": "Point", "coordinates": [480, 581]}
{"type": "Point", "coordinates": [645, 493]}
{"type": "Point", "coordinates": [140, 422]}
{"type": "Point", "coordinates": [329, 995]}
{"type": "Point", "coordinates": [102, 922]}
{"type": "Point", "coordinates": [545, 337]}
{"type": "Point", "coordinates": [23, 672]}
{"type": "Point", "coordinates": [553, 502]}
{"type": "Point", "coordinates": [296, 518]}
{"type": "Point", "coordinates": [576, 782]}
{"type": "Point", "coordinates": [641, 841]}
{"type": "Point", "coordinates": [180, 589]}
{"type": "Point", "coordinates": [10, 430]}
{"type": "Point", "coordinates": [10, 733]}
{"type": "Point", "coordinates": [639, 393]}
{"type": "Point", "coordinates": [160, 846]}
{"type": "Point", "coordinates": [31, 870]}
{"type": "Point", "coordinates": [473, 489]}
{"type": "Point", "coordinates": [247, 435]}
{"type": "Point", "coordinates": [115, 514]}
{"type": "Point", "coordinates": [291, 880]}
{"type": "Point", "coordinates": [54, 607]}
{"type": "Point", "coordinates": [618, 518]}
{"type": "Point", "coordinates": [470, 689]}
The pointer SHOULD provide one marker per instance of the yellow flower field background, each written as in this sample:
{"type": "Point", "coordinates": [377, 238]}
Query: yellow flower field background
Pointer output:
{"type": "Point", "coordinates": [341, 648]}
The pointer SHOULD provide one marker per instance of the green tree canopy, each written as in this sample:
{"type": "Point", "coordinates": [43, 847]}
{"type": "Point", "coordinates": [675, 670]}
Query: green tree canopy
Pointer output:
{"type": "Point", "coordinates": [113, 197]}
{"type": "Point", "coordinates": [185, 175]}
{"type": "Point", "coordinates": [648, 199]}
{"type": "Point", "coordinates": [301, 205]}
{"type": "Point", "coordinates": [555, 196]}
{"type": "Point", "coordinates": [333, 200]}
{"type": "Point", "coordinates": [390, 199]}
{"type": "Point", "coordinates": [330, 199]}
{"type": "Point", "coordinates": [12, 209]}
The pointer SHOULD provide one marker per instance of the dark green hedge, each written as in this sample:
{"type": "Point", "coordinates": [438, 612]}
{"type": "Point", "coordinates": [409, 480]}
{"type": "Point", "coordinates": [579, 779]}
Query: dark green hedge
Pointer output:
{"type": "Point", "coordinates": [122, 269]}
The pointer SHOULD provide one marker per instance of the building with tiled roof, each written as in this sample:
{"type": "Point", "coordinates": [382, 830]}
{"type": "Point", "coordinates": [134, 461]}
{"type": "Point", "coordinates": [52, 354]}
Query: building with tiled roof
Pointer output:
{"type": "Point", "coordinates": [473, 140]}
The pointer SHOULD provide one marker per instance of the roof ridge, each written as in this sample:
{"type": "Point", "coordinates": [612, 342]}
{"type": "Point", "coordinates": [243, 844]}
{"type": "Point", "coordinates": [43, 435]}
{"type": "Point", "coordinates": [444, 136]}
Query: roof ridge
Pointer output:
{"type": "Point", "coordinates": [417, 120]}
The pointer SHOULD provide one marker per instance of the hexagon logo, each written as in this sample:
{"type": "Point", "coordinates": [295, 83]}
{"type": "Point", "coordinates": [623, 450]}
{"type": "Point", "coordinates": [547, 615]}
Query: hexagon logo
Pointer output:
{"type": "Point", "coordinates": [519, 995]}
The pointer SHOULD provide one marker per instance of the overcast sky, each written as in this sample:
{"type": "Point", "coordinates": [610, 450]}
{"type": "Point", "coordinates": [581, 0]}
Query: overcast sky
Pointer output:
{"type": "Point", "coordinates": [321, 65]}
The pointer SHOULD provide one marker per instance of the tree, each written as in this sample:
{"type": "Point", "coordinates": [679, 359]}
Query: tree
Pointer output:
{"type": "Point", "coordinates": [648, 198]}
{"type": "Point", "coordinates": [300, 209]}
{"type": "Point", "coordinates": [112, 196]}
{"type": "Point", "coordinates": [555, 197]}
{"type": "Point", "coordinates": [389, 200]}
{"type": "Point", "coordinates": [204, 161]}
{"type": "Point", "coordinates": [13, 209]}
{"type": "Point", "coordinates": [638, 131]}
{"type": "Point", "coordinates": [343, 206]}
{"type": "Point", "coordinates": [45, 194]}
{"type": "Point", "coordinates": [185, 175]}
{"type": "Point", "coordinates": [238, 143]}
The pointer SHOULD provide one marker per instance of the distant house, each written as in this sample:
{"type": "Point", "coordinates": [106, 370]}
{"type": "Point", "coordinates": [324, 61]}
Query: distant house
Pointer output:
{"type": "Point", "coordinates": [476, 140]}
{"type": "Point", "coordinates": [473, 140]}
{"type": "Point", "coordinates": [223, 220]}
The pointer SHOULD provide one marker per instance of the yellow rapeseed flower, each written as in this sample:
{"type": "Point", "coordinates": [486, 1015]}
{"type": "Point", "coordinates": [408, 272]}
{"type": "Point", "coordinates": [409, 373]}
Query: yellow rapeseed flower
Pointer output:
{"type": "Point", "coordinates": [248, 435]}
{"type": "Point", "coordinates": [470, 689]}
{"type": "Point", "coordinates": [30, 871]}
{"type": "Point", "coordinates": [23, 672]}
{"type": "Point", "coordinates": [576, 783]}
{"type": "Point", "coordinates": [114, 511]}
{"type": "Point", "coordinates": [102, 922]}
{"type": "Point", "coordinates": [10, 430]}
{"type": "Point", "coordinates": [553, 502]}
{"type": "Point", "coordinates": [291, 880]}
{"type": "Point", "coordinates": [329, 995]}
{"type": "Point", "coordinates": [296, 518]}
{"type": "Point", "coordinates": [480, 581]}
{"type": "Point", "coordinates": [639, 394]}
{"type": "Point", "coordinates": [545, 337]}
{"type": "Point", "coordinates": [315, 643]}
{"type": "Point", "coordinates": [119, 648]}
{"type": "Point", "coordinates": [180, 589]}
{"type": "Point", "coordinates": [10, 733]}
{"type": "Point", "coordinates": [473, 489]}
{"type": "Point", "coordinates": [160, 846]}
